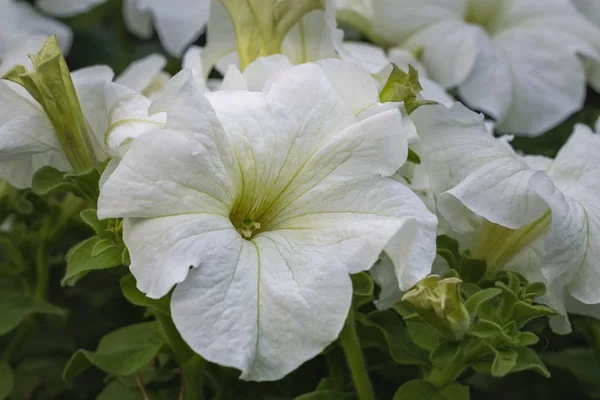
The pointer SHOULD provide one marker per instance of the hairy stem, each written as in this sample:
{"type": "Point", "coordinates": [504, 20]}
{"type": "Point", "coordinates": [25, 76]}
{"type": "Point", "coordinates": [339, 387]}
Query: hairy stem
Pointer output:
{"type": "Point", "coordinates": [356, 362]}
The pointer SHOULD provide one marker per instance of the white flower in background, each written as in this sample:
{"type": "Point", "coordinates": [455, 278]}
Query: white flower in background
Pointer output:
{"type": "Point", "coordinates": [523, 63]}
{"type": "Point", "coordinates": [534, 215]}
{"type": "Point", "coordinates": [258, 205]}
{"type": "Point", "coordinates": [106, 115]}
{"type": "Point", "coordinates": [20, 22]}
{"type": "Point", "coordinates": [313, 37]}
{"type": "Point", "coordinates": [178, 22]}
{"type": "Point", "coordinates": [146, 76]}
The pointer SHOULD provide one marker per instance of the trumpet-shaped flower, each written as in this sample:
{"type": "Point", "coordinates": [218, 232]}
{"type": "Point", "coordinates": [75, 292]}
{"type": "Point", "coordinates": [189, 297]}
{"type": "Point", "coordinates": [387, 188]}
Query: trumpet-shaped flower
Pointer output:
{"type": "Point", "coordinates": [177, 22]}
{"type": "Point", "coordinates": [525, 55]}
{"type": "Point", "coordinates": [34, 132]}
{"type": "Point", "coordinates": [538, 216]}
{"type": "Point", "coordinates": [146, 76]}
{"type": "Point", "coordinates": [257, 206]}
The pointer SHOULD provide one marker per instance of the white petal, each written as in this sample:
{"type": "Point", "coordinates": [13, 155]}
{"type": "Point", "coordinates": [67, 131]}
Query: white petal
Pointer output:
{"type": "Point", "coordinates": [68, 8]}
{"type": "Point", "coordinates": [396, 19]}
{"type": "Point", "coordinates": [263, 71]}
{"type": "Point", "coordinates": [179, 22]}
{"type": "Point", "coordinates": [163, 250]}
{"type": "Point", "coordinates": [193, 59]}
{"type": "Point", "coordinates": [166, 173]}
{"type": "Point", "coordinates": [372, 57]}
{"type": "Point", "coordinates": [267, 309]}
{"type": "Point", "coordinates": [19, 171]}
{"type": "Point", "coordinates": [137, 21]}
{"type": "Point", "coordinates": [19, 20]}
{"type": "Point", "coordinates": [549, 81]}
{"type": "Point", "coordinates": [470, 170]}
{"type": "Point", "coordinates": [403, 58]}
{"type": "Point", "coordinates": [450, 50]}
{"type": "Point", "coordinates": [492, 72]}
{"type": "Point", "coordinates": [309, 40]}
{"type": "Point", "coordinates": [139, 75]}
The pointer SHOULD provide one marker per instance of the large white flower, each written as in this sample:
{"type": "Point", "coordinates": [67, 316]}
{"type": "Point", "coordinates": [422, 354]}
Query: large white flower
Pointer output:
{"type": "Point", "coordinates": [517, 60]}
{"type": "Point", "coordinates": [589, 8]}
{"type": "Point", "coordinates": [178, 22]}
{"type": "Point", "coordinates": [146, 76]}
{"type": "Point", "coordinates": [538, 216]}
{"type": "Point", "coordinates": [20, 22]}
{"type": "Point", "coordinates": [258, 205]}
{"type": "Point", "coordinates": [113, 115]}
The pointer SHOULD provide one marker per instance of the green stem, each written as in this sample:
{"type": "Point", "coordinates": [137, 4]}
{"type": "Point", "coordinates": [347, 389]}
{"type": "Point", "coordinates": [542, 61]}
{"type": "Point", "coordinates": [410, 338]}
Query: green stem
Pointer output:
{"type": "Point", "coordinates": [336, 369]}
{"type": "Point", "coordinates": [41, 267]}
{"type": "Point", "coordinates": [356, 362]}
{"type": "Point", "coordinates": [592, 333]}
{"type": "Point", "coordinates": [18, 340]}
{"type": "Point", "coordinates": [192, 365]}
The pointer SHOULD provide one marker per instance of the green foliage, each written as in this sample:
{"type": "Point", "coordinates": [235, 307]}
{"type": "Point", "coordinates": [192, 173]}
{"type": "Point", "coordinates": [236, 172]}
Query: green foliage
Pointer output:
{"type": "Point", "coordinates": [48, 180]}
{"type": "Point", "coordinates": [131, 293]}
{"type": "Point", "coordinates": [6, 380]}
{"type": "Point", "coordinates": [16, 307]}
{"type": "Point", "coordinates": [122, 352]}
{"type": "Point", "coordinates": [423, 390]}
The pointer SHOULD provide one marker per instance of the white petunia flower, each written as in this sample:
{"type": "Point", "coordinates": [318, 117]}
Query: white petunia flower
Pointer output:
{"type": "Point", "coordinates": [178, 22]}
{"type": "Point", "coordinates": [19, 22]}
{"type": "Point", "coordinates": [534, 215]}
{"type": "Point", "coordinates": [589, 8]}
{"type": "Point", "coordinates": [113, 116]}
{"type": "Point", "coordinates": [146, 76]}
{"type": "Point", "coordinates": [516, 60]}
{"type": "Point", "coordinates": [257, 206]}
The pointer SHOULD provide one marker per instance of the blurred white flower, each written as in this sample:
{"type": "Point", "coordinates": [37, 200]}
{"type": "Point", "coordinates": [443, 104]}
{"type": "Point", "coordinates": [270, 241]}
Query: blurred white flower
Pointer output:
{"type": "Point", "coordinates": [178, 22]}
{"type": "Point", "coordinates": [20, 22]}
{"type": "Point", "coordinates": [516, 60]}
{"type": "Point", "coordinates": [258, 205]}
{"type": "Point", "coordinates": [29, 140]}
{"type": "Point", "coordinates": [534, 215]}
{"type": "Point", "coordinates": [146, 76]}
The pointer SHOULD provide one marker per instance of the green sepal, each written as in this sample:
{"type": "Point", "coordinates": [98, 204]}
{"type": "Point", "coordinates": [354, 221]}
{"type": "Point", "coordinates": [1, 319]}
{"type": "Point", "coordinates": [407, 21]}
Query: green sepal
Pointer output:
{"type": "Point", "coordinates": [133, 294]}
{"type": "Point", "coordinates": [121, 352]}
{"type": "Point", "coordinates": [15, 307]}
{"type": "Point", "coordinates": [479, 298]}
{"type": "Point", "coordinates": [404, 87]}
{"type": "Point", "coordinates": [51, 85]}
{"type": "Point", "coordinates": [413, 157]}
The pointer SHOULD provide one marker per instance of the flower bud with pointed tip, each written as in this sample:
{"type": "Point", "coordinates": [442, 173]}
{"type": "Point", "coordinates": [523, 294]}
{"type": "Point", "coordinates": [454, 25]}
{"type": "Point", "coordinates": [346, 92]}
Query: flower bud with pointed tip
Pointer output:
{"type": "Point", "coordinates": [438, 303]}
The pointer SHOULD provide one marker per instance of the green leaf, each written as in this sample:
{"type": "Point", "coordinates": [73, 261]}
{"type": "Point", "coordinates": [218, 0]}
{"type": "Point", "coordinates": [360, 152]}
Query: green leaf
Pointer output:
{"type": "Point", "coordinates": [475, 301]}
{"type": "Point", "coordinates": [445, 353]}
{"type": "Point", "coordinates": [6, 380]}
{"type": "Point", "coordinates": [447, 248]}
{"type": "Point", "coordinates": [122, 352]}
{"type": "Point", "coordinates": [486, 329]}
{"type": "Point", "coordinates": [51, 85]}
{"type": "Point", "coordinates": [528, 359]}
{"type": "Point", "coordinates": [363, 287]}
{"type": "Point", "coordinates": [523, 312]}
{"type": "Point", "coordinates": [90, 217]}
{"type": "Point", "coordinates": [15, 307]}
{"type": "Point", "coordinates": [472, 270]}
{"type": "Point", "coordinates": [504, 361]}
{"type": "Point", "coordinates": [423, 390]}
{"type": "Point", "coordinates": [327, 395]}
{"type": "Point", "coordinates": [131, 293]}
{"type": "Point", "coordinates": [583, 363]}
{"type": "Point", "coordinates": [261, 25]}
{"type": "Point", "coordinates": [117, 391]}
{"type": "Point", "coordinates": [416, 390]}
{"type": "Point", "coordinates": [401, 347]}
{"type": "Point", "coordinates": [84, 184]}
{"type": "Point", "coordinates": [103, 245]}
{"type": "Point", "coordinates": [80, 260]}
{"type": "Point", "coordinates": [40, 379]}
{"type": "Point", "coordinates": [527, 338]}
{"type": "Point", "coordinates": [424, 335]}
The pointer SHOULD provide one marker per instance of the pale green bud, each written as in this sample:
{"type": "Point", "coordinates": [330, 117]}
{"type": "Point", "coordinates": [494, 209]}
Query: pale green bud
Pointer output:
{"type": "Point", "coordinates": [50, 84]}
{"type": "Point", "coordinates": [261, 25]}
{"type": "Point", "coordinates": [438, 302]}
